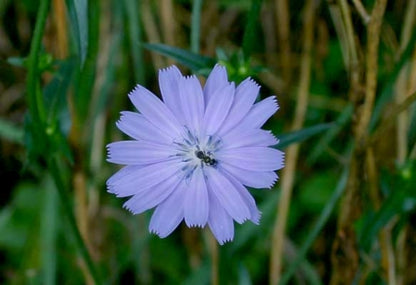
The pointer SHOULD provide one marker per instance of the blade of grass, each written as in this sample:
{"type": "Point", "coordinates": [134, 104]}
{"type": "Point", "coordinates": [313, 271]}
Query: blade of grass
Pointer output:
{"type": "Point", "coordinates": [191, 60]}
{"type": "Point", "coordinates": [88, 69]}
{"type": "Point", "coordinates": [48, 233]}
{"type": "Point", "coordinates": [303, 134]}
{"type": "Point", "coordinates": [250, 31]}
{"type": "Point", "coordinates": [330, 135]}
{"type": "Point", "coordinates": [387, 92]}
{"type": "Point", "coordinates": [320, 223]}
{"type": "Point", "coordinates": [78, 12]}
{"type": "Point", "coordinates": [34, 97]}
{"type": "Point", "coordinates": [195, 25]}
{"type": "Point", "coordinates": [65, 198]}
{"type": "Point", "coordinates": [135, 34]}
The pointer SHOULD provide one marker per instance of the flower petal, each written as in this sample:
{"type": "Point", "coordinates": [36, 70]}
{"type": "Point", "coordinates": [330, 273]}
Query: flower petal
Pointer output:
{"type": "Point", "coordinates": [196, 201]}
{"type": "Point", "coordinates": [155, 111]}
{"type": "Point", "coordinates": [150, 198]}
{"type": "Point", "coordinates": [117, 177]}
{"type": "Point", "coordinates": [228, 196]}
{"type": "Point", "coordinates": [217, 79]}
{"type": "Point", "coordinates": [218, 108]}
{"type": "Point", "coordinates": [252, 137]}
{"type": "Point", "coordinates": [255, 179]}
{"type": "Point", "coordinates": [192, 101]}
{"type": "Point", "coordinates": [134, 180]}
{"type": "Point", "coordinates": [252, 158]}
{"type": "Point", "coordinates": [248, 199]}
{"type": "Point", "coordinates": [138, 152]}
{"type": "Point", "coordinates": [259, 113]}
{"type": "Point", "coordinates": [219, 221]}
{"type": "Point", "coordinates": [169, 213]}
{"type": "Point", "coordinates": [169, 88]}
{"type": "Point", "coordinates": [245, 96]}
{"type": "Point", "coordinates": [136, 126]}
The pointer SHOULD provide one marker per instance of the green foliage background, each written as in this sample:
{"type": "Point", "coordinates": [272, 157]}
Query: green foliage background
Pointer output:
{"type": "Point", "coordinates": [66, 68]}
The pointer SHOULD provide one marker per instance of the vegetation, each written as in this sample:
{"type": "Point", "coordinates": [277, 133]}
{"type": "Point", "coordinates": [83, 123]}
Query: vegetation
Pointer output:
{"type": "Point", "coordinates": [344, 73]}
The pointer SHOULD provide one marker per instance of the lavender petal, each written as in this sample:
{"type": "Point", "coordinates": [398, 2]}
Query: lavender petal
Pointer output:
{"type": "Point", "coordinates": [253, 158]}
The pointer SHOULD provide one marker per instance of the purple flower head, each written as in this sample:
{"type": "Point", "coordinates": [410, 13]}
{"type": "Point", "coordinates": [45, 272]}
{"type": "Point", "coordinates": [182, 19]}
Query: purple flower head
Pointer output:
{"type": "Point", "coordinates": [193, 154]}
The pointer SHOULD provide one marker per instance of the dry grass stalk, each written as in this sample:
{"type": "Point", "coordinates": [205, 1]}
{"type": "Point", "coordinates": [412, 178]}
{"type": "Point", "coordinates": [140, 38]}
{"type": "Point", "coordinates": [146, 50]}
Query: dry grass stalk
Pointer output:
{"type": "Point", "coordinates": [345, 257]}
{"type": "Point", "coordinates": [283, 27]}
{"type": "Point", "coordinates": [293, 150]}
{"type": "Point", "coordinates": [168, 24]}
{"type": "Point", "coordinates": [152, 33]}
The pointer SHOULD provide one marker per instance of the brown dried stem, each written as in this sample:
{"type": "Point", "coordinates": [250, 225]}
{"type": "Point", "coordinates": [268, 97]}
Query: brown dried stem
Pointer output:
{"type": "Point", "coordinates": [283, 28]}
{"type": "Point", "coordinates": [362, 11]}
{"type": "Point", "coordinates": [152, 33]}
{"type": "Point", "coordinates": [61, 28]}
{"type": "Point", "coordinates": [373, 40]}
{"type": "Point", "coordinates": [345, 257]}
{"type": "Point", "coordinates": [293, 150]}
{"type": "Point", "coordinates": [168, 24]}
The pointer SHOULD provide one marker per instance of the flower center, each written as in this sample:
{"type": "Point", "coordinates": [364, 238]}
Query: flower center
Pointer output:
{"type": "Point", "coordinates": [206, 158]}
{"type": "Point", "coordinates": [197, 151]}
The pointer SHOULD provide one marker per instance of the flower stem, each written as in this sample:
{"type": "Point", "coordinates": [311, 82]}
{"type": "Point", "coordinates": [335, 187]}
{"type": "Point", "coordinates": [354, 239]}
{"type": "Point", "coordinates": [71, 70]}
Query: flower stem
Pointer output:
{"type": "Point", "coordinates": [34, 98]}
{"type": "Point", "coordinates": [65, 199]}
{"type": "Point", "coordinates": [195, 26]}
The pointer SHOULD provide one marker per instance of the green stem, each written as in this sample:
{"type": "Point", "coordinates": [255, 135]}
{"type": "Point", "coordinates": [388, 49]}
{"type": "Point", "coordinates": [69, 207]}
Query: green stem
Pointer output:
{"type": "Point", "coordinates": [250, 29]}
{"type": "Point", "coordinates": [66, 203]}
{"type": "Point", "coordinates": [195, 25]}
{"type": "Point", "coordinates": [34, 97]}
{"type": "Point", "coordinates": [329, 207]}
{"type": "Point", "coordinates": [87, 76]}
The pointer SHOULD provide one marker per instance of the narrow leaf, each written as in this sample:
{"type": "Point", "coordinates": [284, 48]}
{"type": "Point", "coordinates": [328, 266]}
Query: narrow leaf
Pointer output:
{"type": "Point", "coordinates": [78, 11]}
{"type": "Point", "coordinates": [323, 218]}
{"type": "Point", "coordinates": [302, 135]}
{"type": "Point", "coordinates": [191, 60]}
{"type": "Point", "coordinates": [330, 135]}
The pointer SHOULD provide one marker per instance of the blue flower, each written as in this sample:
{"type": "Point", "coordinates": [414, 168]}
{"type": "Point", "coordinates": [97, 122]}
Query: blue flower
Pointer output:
{"type": "Point", "coordinates": [193, 154]}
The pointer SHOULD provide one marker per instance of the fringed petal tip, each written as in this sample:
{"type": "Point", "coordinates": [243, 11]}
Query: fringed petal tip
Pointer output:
{"type": "Point", "coordinates": [158, 233]}
{"type": "Point", "coordinates": [189, 225]}
{"type": "Point", "coordinates": [134, 91]}
{"type": "Point", "coordinates": [224, 241]}
{"type": "Point", "coordinates": [255, 219]}
{"type": "Point", "coordinates": [274, 182]}
{"type": "Point", "coordinates": [129, 208]}
{"type": "Point", "coordinates": [170, 68]}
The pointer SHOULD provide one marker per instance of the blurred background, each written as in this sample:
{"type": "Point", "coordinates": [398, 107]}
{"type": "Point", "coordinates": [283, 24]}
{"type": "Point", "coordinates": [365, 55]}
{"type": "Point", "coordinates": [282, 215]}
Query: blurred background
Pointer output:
{"type": "Point", "coordinates": [344, 73]}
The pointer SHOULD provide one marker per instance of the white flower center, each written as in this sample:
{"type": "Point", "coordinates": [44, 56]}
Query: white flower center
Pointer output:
{"type": "Point", "coordinates": [197, 151]}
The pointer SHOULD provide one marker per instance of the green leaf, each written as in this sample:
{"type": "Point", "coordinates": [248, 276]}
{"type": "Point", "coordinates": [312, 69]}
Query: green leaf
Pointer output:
{"type": "Point", "coordinates": [195, 25]}
{"type": "Point", "coordinates": [191, 60]}
{"type": "Point", "coordinates": [323, 218]}
{"type": "Point", "coordinates": [78, 12]}
{"type": "Point", "coordinates": [251, 29]}
{"type": "Point", "coordinates": [84, 90]}
{"type": "Point", "coordinates": [401, 199]}
{"type": "Point", "coordinates": [11, 132]}
{"type": "Point", "coordinates": [331, 134]}
{"type": "Point", "coordinates": [133, 22]}
{"type": "Point", "coordinates": [48, 233]}
{"type": "Point", "coordinates": [55, 92]}
{"type": "Point", "coordinates": [302, 135]}
{"type": "Point", "coordinates": [388, 90]}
